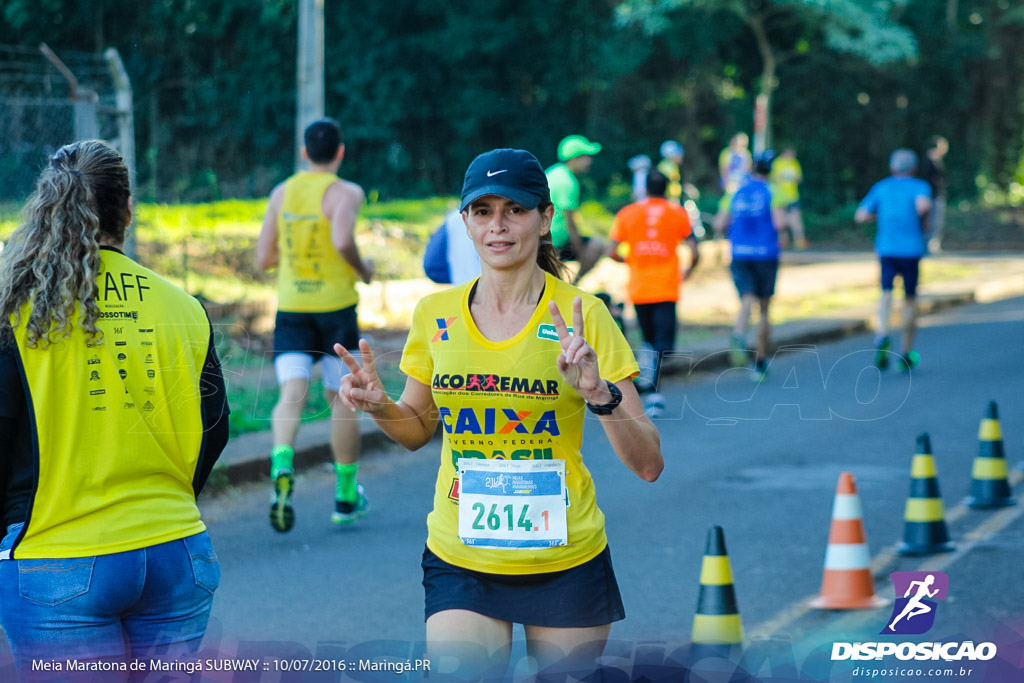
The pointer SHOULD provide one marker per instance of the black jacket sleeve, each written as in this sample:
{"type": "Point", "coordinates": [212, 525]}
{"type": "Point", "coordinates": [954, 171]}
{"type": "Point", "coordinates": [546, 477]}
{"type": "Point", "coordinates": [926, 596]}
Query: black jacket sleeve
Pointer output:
{"type": "Point", "coordinates": [215, 411]}
{"type": "Point", "coordinates": [12, 399]}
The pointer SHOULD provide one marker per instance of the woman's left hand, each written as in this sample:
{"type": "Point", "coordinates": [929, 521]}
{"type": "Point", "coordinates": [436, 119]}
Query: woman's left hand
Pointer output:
{"type": "Point", "coordinates": [577, 362]}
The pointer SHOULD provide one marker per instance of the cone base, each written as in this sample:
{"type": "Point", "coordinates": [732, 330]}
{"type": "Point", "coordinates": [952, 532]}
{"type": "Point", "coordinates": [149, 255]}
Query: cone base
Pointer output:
{"type": "Point", "coordinates": [929, 549]}
{"type": "Point", "coordinates": [824, 602]}
{"type": "Point", "coordinates": [988, 503]}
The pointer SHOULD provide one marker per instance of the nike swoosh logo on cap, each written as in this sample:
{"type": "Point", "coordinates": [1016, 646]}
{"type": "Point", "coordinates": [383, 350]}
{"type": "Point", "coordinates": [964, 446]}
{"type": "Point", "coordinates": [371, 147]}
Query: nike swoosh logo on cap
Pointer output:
{"type": "Point", "coordinates": [494, 173]}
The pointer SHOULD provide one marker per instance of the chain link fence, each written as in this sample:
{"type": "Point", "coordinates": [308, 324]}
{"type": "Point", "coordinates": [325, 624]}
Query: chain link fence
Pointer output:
{"type": "Point", "coordinates": [46, 102]}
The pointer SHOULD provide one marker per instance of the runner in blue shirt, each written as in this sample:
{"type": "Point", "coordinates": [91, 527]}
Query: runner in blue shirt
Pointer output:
{"type": "Point", "coordinates": [753, 228]}
{"type": "Point", "coordinates": [900, 204]}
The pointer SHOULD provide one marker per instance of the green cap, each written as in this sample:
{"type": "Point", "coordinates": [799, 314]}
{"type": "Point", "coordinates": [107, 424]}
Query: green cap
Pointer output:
{"type": "Point", "coordinates": [574, 146]}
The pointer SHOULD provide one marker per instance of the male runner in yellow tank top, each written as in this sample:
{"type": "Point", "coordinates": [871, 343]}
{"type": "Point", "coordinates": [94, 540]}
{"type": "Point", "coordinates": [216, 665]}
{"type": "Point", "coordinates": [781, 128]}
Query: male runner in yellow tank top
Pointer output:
{"type": "Point", "coordinates": [309, 233]}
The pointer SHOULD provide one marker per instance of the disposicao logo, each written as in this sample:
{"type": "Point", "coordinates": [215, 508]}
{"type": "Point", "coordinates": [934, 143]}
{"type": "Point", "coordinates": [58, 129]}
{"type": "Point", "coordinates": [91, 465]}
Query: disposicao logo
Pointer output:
{"type": "Point", "coordinates": [913, 614]}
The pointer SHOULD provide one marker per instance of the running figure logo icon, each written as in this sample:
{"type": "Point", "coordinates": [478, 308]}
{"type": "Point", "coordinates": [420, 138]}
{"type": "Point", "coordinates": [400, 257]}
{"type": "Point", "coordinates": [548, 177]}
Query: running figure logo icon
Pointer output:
{"type": "Point", "coordinates": [914, 613]}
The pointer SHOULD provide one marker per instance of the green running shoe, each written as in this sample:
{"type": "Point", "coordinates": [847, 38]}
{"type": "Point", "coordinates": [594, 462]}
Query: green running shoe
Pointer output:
{"type": "Point", "coordinates": [738, 352]}
{"type": "Point", "coordinates": [282, 516]}
{"type": "Point", "coordinates": [346, 512]}
{"type": "Point", "coordinates": [909, 362]}
{"type": "Point", "coordinates": [882, 354]}
{"type": "Point", "coordinates": [759, 371]}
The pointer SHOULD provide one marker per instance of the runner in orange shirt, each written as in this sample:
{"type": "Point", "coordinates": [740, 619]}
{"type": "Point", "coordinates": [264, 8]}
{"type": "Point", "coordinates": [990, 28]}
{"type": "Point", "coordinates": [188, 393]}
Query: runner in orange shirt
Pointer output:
{"type": "Point", "coordinates": [651, 229]}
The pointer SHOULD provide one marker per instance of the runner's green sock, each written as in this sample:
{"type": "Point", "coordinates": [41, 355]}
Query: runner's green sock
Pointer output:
{"type": "Point", "coordinates": [281, 460]}
{"type": "Point", "coordinates": [346, 489]}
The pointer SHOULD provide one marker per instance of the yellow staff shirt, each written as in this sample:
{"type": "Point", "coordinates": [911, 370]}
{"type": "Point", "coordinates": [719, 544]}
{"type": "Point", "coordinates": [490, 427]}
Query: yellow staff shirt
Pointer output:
{"type": "Point", "coordinates": [117, 423]}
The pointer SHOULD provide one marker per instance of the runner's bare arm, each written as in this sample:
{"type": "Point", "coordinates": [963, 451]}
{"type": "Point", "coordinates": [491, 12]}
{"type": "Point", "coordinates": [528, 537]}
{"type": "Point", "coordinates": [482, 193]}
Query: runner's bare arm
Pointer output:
{"type": "Point", "coordinates": [923, 205]}
{"type": "Point", "coordinates": [779, 219]}
{"type": "Point", "coordinates": [862, 215]}
{"type": "Point", "coordinates": [612, 251]}
{"type": "Point", "coordinates": [633, 436]}
{"type": "Point", "coordinates": [266, 247]}
{"type": "Point", "coordinates": [341, 203]}
{"type": "Point", "coordinates": [722, 220]}
{"type": "Point", "coordinates": [411, 421]}
{"type": "Point", "coordinates": [574, 232]}
{"type": "Point", "coordinates": [631, 433]}
{"type": "Point", "coordinates": [691, 243]}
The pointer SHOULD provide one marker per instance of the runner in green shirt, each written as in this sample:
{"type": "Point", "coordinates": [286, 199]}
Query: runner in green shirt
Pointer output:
{"type": "Point", "coordinates": [575, 154]}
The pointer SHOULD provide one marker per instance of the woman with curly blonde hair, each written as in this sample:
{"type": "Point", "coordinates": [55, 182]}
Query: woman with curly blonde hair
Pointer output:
{"type": "Point", "coordinates": [112, 415]}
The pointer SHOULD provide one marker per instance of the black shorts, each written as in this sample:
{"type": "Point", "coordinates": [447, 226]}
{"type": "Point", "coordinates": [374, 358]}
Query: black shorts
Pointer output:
{"type": "Point", "coordinates": [907, 268]}
{"type": "Point", "coordinates": [567, 253]}
{"type": "Point", "coordinates": [580, 597]}
{"type": "Point", "coordinates": [755, 277]}
{"type": "Point", "coordinates": [315, 333]}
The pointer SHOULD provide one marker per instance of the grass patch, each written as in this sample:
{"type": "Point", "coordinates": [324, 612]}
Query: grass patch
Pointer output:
{"type": "Point", "coordinates": [251, 408]}
{"type": "Point", "coordinates": [10, 217]}
{"type": "Point", "coordinates": [253, 391]}
{"type": "Point", "coordinates": [209, 250]}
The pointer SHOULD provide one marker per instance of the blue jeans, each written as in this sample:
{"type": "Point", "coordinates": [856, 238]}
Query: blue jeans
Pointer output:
{"type": "Point", "coordinates": [150, 603]}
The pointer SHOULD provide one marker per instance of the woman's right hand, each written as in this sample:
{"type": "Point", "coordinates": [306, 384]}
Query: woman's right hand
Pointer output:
{"type": "Point", "coordinates": [361, 389]}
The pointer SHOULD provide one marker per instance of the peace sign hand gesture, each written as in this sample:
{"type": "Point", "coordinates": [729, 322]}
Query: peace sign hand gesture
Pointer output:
{"type": "Point", "coordinates": [361, 389]}
{"type": "Point", "coordinates": [577, 363]}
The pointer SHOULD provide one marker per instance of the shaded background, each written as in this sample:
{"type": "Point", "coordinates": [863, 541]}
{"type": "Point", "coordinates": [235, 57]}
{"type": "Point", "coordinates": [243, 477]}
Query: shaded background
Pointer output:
{"type": "Point", "coordinates": [421, 87]}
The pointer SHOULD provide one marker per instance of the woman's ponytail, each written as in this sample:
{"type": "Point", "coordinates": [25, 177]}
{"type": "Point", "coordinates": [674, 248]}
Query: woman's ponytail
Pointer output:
{"type": "Point", "coordinates": [52, 259]}
{"type": "Point", "coordinates": [547, 255]}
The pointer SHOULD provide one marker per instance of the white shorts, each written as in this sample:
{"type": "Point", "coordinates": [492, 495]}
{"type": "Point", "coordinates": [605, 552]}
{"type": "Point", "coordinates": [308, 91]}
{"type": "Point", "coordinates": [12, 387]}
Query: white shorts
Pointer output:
{"type": "Point", "coordinates": [289, 366]}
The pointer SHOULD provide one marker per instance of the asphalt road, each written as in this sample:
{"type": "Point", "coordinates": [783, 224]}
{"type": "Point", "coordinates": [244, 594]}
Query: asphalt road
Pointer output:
{"type": "Point", "coordinates": [762, 461]}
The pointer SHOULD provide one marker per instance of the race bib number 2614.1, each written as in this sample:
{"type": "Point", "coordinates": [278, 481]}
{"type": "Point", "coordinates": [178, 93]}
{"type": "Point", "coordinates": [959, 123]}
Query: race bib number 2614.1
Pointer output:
{"type": "Point", "coordinates": [512, 504]}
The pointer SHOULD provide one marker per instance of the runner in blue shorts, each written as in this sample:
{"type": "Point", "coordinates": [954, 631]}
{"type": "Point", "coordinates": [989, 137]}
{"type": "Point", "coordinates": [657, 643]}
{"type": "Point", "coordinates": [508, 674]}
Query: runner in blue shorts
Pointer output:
{"type": "Point", "coordinates": [753, 228]}
{"type": "Point", "coordinates": [900, 204]}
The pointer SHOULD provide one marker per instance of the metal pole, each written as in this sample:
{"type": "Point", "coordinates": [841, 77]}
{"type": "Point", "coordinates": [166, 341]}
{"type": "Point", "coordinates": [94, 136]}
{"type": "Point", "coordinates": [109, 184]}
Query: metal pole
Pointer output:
{"type": "Point", "coordinates": [83, 100]}
{"type": "Point", "coordinates": [309, 70]}
{"type": "Point", "coordinates": [125, 128]}
{"type": "Point", "coordinates": [760, 123]}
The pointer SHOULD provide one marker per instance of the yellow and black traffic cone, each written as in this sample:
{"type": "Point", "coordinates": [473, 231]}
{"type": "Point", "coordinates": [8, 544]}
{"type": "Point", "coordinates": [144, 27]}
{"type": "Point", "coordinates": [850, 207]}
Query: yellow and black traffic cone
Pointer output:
{"type": "Point", "coordinates": [716, 625]}
{"type": "Point", "coordinates": [924, 532]}
{"type": "Point", "coordinates": [990, 487]}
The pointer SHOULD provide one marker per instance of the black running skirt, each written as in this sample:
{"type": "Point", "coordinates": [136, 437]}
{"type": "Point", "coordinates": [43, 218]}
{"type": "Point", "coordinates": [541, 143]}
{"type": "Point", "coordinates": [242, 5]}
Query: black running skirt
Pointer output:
{"type": "Point", "coordinates": [580, 597]}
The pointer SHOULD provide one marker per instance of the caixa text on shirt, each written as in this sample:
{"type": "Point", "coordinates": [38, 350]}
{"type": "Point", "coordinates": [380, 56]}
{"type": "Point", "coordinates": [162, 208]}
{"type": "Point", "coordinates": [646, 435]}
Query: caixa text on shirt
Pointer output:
{"type": "Point", "coordinates": [496, 383]}
{"type": "Point", "coordinates": [498, 421]}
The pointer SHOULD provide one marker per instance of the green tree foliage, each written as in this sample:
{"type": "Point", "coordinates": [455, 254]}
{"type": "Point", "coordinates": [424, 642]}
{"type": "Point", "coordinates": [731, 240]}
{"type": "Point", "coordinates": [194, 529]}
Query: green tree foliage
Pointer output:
{"type": "Point", "coordinates": [421, 87]}
{"type": "Point", "coordinates": [779, 29]}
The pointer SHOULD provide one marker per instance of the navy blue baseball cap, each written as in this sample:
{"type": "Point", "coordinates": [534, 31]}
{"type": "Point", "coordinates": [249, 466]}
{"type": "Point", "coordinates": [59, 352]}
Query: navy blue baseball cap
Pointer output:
{"type": "Point", "coordinates": [510, 173]}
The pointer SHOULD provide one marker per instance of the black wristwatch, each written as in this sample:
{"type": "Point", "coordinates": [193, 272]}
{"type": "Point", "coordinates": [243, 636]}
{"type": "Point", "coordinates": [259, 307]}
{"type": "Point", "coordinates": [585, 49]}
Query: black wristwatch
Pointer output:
{"type": "Point", "coordinates": [611, 405]}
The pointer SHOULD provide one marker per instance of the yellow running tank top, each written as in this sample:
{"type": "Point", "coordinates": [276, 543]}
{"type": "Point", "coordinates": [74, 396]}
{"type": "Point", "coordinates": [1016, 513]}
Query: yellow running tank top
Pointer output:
{"type": "Point", "coordinates": [507, 401]}
{"type": "Point", "coordinates": [312, 276]}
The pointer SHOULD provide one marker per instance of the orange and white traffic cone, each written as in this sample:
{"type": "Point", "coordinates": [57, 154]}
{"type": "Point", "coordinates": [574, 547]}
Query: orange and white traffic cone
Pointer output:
{"type": "Point", "coordinates": [847, 582]}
